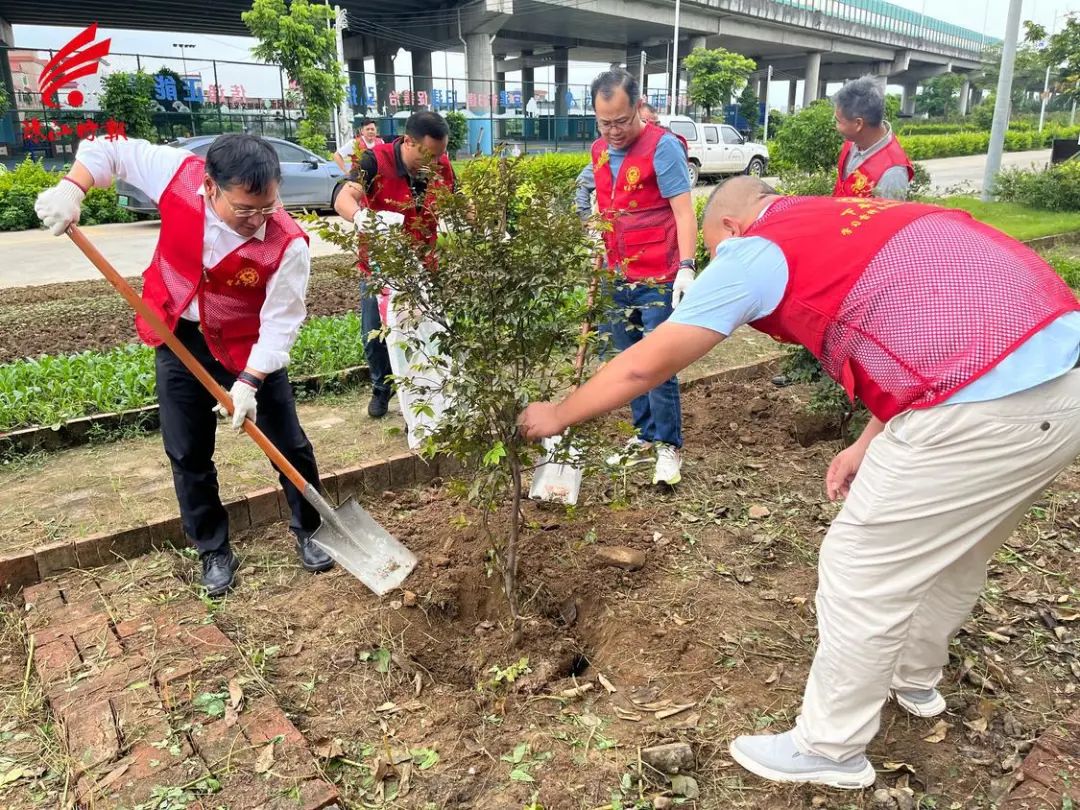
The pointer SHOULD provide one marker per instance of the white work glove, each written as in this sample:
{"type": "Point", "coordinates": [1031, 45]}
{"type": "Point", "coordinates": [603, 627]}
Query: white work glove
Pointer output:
{"type": "Point", "coordinates": [60, 206]}
{"type": "Point", "coordinates": [243, 397]}
{"type": "Point", "coordinates": [384, 220]}
{"type": "Point", "coordinates": [683, 280]}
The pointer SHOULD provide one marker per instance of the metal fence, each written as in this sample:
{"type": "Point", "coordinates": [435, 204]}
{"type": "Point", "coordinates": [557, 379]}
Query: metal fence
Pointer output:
{"type": "Point", "coordinates": [199, 96]}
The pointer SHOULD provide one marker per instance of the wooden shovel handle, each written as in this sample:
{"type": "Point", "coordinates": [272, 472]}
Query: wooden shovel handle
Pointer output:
{"type": "Point", "coordinates": [181, 351]}
{"type": "Point", "coordinates": [579, 361]}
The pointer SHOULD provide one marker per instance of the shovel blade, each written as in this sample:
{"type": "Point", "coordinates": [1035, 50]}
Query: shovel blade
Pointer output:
{"type": "Point", "coordinates": [358, 543]}
{"type": "Point", "coordinates": [559, 483]}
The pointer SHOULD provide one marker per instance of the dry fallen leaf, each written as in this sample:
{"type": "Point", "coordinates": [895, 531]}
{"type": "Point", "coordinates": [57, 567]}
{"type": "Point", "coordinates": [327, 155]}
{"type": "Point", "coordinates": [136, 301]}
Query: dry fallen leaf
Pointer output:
{"type": "Point", "coordinates": [292, 650]}
{"type": "Point", "coordinates": [418, 684]}
{"type": "Point", "coordinates": [757, 512]}
{"type": "Point", "coordinates": [774, 676]}
{"type": "Point", "coordinates": [625, 714]}
{"type": "Point", "coordinates": [236, 694]}
{"type": "Point", "coordinates": [330, 749]}
{"type": "Point", "coordinates": [898, 767]}
{"type": "Point", "coordinates": [112, 776]}
{"type": "Point", "coordinates": [388, 708]}
{"type": "Point", "coordinates": [977, 725]}
{"type": "Point", "coordinates": [266, 758]}
{"type": "Point", "coordinates": [608, 686]}
{"type": "Point", "coordinates": [660, 715]}
{"type": "Point", "coordinates": [938, 733]}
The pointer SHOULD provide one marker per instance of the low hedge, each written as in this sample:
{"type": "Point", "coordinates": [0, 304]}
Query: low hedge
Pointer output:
{"type": "Point", "coordinates": [958, 144]}
{"type": "Point", "coordinates": [1056, 188]}
{"type": "Point", "coordinates": [19, 189]}
{"type": "Point", "coordinates": [554, 169]}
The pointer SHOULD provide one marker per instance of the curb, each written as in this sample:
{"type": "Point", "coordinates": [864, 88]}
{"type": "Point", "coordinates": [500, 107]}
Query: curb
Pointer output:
{"type": "Point", "coordinates": [75, 432]}
{"type": "Point", "coordinates": [1044, 242]}
{"type": "Point", "coordinates": [262, 507]}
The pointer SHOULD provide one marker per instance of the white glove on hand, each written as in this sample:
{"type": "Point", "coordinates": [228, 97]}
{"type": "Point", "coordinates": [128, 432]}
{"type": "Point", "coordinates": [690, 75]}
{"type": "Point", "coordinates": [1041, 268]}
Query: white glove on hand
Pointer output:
{"type": "Point", "coordinates": [60, 206]}
{"type": "Point", "coordinates": [243, 397]}
{"type": "Point", "coordinates": [384, 220]}
{"type": "Point", "coordinates": [683, 280]}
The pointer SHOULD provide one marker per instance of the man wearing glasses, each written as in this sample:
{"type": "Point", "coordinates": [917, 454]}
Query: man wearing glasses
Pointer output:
{"type": "Point", "coordinates": [643, 192]}
{"type": "Point", "coordinates": [229, 275]}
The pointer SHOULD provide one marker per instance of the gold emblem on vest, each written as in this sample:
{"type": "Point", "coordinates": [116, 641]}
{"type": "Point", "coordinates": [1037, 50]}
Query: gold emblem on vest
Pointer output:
{"type": "Point", "coordinates": [244, 277]}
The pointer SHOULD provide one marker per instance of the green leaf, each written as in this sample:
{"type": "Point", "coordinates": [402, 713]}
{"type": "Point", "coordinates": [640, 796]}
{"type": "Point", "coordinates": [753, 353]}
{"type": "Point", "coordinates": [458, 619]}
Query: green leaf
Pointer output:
{"type": "Point", "coordinates": [520, 775]}
{"type": "Point", "coordinates": [212, 704]}
{"type": "Point", "coordinates": [496, 454]}
{"type": "Point", "coordinates": [425, 758]}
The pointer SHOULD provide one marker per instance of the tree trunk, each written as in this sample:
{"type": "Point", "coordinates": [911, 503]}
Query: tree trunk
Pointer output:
{"type": "Point", "coordinates": [511, 561]}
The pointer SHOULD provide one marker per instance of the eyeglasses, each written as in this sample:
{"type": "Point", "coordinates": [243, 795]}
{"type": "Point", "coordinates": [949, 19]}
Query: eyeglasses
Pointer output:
{"type": "Point", "coordinates": [619, 124]}
{"type": "Point", "coordinates": [245, 213]}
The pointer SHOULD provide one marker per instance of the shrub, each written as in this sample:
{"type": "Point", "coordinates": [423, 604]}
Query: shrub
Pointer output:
{"type": "Point", "coordinates": [129, 97]}
{"type": "Point", "coordinates": [508, 298]}
{"type": "Point", "coordinates": [556, 171]}
{"type": "Point", "coordinates": [20, 187]}
{"type": "Point", "coordinates": [807, 184]}
{"type": "Point", "coordinates": [808, 141]}
{"type": "Point", "coordinates": [1054, 189]}
{"type": "Point", "coordinates": [459, 131]}
{"type": "Point", "coordinates": [1067, 266]}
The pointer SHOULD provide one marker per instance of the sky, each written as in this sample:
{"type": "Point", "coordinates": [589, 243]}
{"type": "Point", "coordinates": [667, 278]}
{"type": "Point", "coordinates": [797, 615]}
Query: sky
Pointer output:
{"type": "Point", "coordinates": [986, 16]}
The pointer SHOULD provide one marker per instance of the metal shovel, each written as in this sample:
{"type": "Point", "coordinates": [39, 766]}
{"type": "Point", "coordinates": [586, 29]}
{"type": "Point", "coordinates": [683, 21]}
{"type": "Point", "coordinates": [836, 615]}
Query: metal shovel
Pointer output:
{"type": "Point", "coordinates": [552, 481]}
{"type": "Point", "coordinates": [348, 533]}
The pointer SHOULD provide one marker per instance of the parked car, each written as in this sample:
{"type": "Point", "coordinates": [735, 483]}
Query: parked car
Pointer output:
{"type": "Point", "coordinates": [717, 149]}
{"type": "Point", "coordinates": [307, 180]}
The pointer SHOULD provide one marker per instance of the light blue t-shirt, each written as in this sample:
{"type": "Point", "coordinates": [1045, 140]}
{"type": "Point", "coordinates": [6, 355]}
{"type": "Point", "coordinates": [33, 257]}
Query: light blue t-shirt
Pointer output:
{"type": "Point", "coordinates": [669, 163]}
{"type": "Point", "coordinates": [747, 279]}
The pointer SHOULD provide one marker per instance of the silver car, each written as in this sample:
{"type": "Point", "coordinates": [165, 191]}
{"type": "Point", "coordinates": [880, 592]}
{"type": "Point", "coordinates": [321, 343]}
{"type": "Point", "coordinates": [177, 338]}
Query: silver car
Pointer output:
{"type": "Point", "coordinates": [307, 180]}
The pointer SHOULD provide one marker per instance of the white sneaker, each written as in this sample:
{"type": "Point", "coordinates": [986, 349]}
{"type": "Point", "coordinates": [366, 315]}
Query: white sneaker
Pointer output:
{"type": "Point", "coordinates": [775, 757]}
{"type": "Point", "coordinates": [632, 453]}
{"type": "Point", "coordinates": [920, 702]}
{"type": "Point", "coordinates": [668, 465]}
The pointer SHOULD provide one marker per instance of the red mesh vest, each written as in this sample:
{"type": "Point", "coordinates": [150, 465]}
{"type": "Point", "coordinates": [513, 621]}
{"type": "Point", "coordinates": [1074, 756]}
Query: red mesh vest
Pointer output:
{"type": "Point", "coordinates": [391, 192]}
{"type": "Point", "coordinates": [231, 293]}
{"type": "Point", "coordinates": [861, 182]}
{"type": "Point", "coordinates": [904, 304]}
{"type": "Point", "coordinates": [643, 240]}
{"type": "Point", "coordinates": [359, 147]}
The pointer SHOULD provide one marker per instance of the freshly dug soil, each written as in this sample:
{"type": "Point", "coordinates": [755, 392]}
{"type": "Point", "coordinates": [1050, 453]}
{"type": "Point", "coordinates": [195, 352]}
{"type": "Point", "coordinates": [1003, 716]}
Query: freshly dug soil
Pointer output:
{"type": "Point", "coordinates": [720, 620]}
{"type": "Point", "coordinates": [81, 315]}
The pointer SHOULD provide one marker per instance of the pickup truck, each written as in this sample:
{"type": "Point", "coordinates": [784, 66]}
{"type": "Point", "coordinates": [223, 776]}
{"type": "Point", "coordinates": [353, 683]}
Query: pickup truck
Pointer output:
{"type": "Point", "coordinates": [717, 149]}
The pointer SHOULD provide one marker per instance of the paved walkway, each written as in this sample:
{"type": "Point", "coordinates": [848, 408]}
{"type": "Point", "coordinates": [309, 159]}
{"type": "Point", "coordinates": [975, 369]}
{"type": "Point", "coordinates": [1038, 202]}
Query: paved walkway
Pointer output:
{"type": "Point", "coordinates": [150, 697]}
{"type": "Point", "coordinates": [38, 257]}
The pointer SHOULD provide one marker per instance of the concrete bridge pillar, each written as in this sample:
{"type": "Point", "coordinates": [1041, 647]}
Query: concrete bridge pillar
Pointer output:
{"type": "Point", "coordinates": [562, 81]}
{"type": "Point", "coordinates": [421, 70]}
{"type": "Point", "coordinates": [384, 76]}
{"type": "Point", "coordinates": [813, 71]}
{"type": "Point", "coordinates": [480, 70]}
{"type": "Point", "coordinates": [965, 95]}
{"type": "Point", "coordinates": [792, 94]}
{"type": "Point", "coordinates": [907, 103]}
{"type": "Point", "coordinates": [354, 63]}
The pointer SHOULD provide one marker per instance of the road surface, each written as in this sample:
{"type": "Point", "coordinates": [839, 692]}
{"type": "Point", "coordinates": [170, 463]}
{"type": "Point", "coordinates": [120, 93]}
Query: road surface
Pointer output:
{"type": "Point", "coordinates": [36, 257]}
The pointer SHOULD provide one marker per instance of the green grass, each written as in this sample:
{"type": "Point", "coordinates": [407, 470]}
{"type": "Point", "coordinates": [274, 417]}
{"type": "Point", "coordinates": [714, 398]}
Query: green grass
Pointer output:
{"type": "Point", "coordinates": [48, 390]}
{"type": "Point", "coordinates": [1018, 221]}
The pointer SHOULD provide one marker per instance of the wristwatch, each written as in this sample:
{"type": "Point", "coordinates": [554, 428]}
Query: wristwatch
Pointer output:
{"type": "Point", "coordinates": [688, 263]}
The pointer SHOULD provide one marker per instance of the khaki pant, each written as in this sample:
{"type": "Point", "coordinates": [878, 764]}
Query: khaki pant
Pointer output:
{"type": "Point", "coordinates": [902, 566]}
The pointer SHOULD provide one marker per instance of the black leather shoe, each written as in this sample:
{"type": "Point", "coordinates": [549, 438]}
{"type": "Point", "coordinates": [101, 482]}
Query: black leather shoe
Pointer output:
{"type": "Point", "coordinates": [380, 402]}
{"type": "Point", "coordinates": [219, 571]}
{"type": "Point", "coordinates": [312, 557]}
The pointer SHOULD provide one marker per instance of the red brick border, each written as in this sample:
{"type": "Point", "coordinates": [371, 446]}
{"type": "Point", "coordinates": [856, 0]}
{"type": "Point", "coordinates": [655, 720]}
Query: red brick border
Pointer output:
{"type": "Point", "coordinates": [263, 506]}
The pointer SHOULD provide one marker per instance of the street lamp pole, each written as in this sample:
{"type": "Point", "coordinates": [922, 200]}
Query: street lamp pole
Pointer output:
{"type": "Point", "coordinates": [183, 47]}
{"type": "Point", "coordinates": [674, 63]}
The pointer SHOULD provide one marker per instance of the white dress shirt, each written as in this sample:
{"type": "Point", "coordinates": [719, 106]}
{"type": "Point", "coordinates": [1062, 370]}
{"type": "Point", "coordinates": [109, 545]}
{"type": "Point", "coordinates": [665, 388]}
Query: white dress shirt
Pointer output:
{"type": "Point", "coordinates": [151, 168]}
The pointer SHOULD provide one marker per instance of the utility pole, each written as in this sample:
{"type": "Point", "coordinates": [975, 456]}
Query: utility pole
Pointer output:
{"type": "Point", "coordinates": [675, 62]}
{"type": "Point", "coordinates": [183, 48]}
{"type": "Point", "coordinates": [343, 113]}
{"type": "Point", "coordinates": [768, 81]}
{"type": "Point", "coordinates": [641, 72]}
{"type": "Point", "coordinates": [1001, 103]}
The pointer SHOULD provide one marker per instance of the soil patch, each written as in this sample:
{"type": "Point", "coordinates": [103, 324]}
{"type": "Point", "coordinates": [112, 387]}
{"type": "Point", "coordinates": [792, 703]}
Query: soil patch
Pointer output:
{"type": "Point", "coordinates": [720, 620]}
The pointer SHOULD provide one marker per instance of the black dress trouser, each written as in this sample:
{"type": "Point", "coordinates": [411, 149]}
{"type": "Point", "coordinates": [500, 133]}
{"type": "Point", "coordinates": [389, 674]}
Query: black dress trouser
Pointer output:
{"type": "Point", "coordinates": [188, 426]}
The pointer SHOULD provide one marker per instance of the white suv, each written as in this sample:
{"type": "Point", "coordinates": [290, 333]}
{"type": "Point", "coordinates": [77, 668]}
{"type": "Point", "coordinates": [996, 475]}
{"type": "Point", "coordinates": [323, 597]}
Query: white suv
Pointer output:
{"type": "Point", "coordinates": [716, 149]}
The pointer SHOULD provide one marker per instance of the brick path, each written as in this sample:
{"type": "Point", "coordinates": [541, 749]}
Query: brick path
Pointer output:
{"type": "Point", "coordinates": [137, 675]}
{"type": "Point", "coordinates": [1051, 771]}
